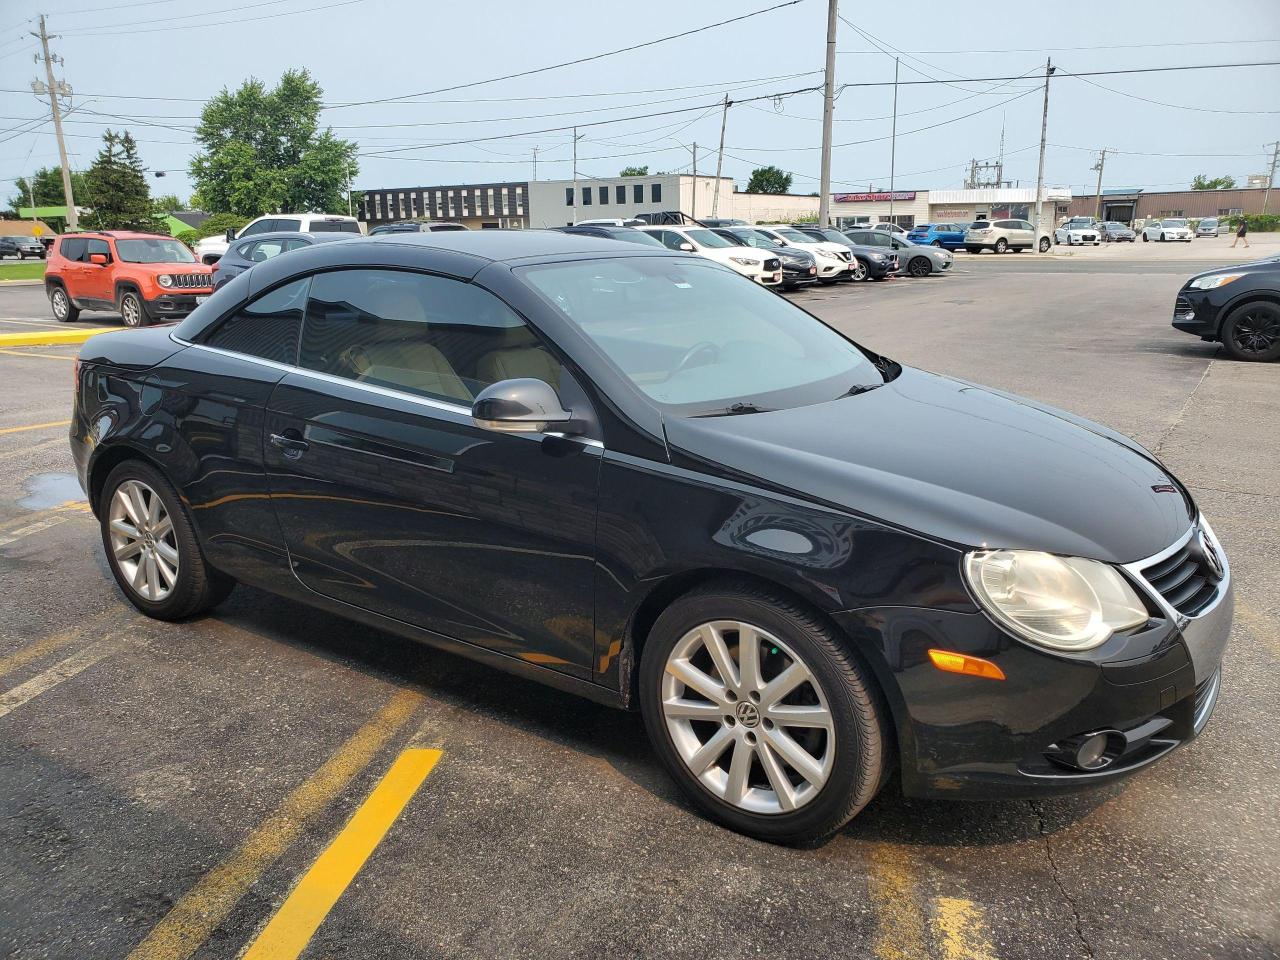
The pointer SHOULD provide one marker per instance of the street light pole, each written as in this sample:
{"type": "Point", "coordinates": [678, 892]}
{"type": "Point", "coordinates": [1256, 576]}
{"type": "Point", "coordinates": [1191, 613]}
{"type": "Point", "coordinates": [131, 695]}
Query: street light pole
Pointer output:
{"type": "Point", "coordinates": [828, 111]}
{"type": "Point", "coordinates": [1044, 134]}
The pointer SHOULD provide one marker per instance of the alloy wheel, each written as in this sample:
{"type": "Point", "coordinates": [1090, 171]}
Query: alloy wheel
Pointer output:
{"type": "Point", "coordinates": [1001, 245]}
{"type": "Point", "coordinates": [1257, 331]}
{"type": "Point", "coordinates": [748, 717]}
{"type": "Point", "coordinates": [130, 311]}
{"type": "Point", "coordinates": [143, 540]}
{"type": "Point", "coordinates": [919, 267]}
{"type": "Point", "coordinates": [859, 271]}
{"type": "Point", "coordinates": [60, 303]}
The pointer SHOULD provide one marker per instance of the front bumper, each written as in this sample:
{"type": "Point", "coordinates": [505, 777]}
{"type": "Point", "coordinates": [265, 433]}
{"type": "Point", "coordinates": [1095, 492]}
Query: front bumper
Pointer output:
{"type": "Point", "coordinates": [975, 738]}
{"type": "Point", "coordinates": [1195, 312]}
{"type": "Point", "coordinates": [175, 305]}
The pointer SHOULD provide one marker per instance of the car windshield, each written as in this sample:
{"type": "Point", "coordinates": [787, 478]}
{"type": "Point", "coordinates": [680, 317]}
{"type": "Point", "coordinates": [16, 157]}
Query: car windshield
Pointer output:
{"type": "Point", "coordinates": [1209, 222]}
{"type": "Point", "coordinates": [697, 338]}
{"type": "Point", "coordinates": [793, 236]}
{"type": "Point", "coordinates": [153, 250]}
{"type": "Point", "coordinates": [705, 238]}
{"type": "Point", "coordinates": [1173, 223]}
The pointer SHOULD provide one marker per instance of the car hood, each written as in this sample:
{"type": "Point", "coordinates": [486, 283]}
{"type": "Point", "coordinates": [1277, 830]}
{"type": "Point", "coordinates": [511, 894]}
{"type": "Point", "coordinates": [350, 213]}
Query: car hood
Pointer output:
{"type": "Point", "coordinates": [155, 269]}
{"type": "Point", "coordinates": [1270, 265]}
{"type": "Point", "coordinates": [959, 463]}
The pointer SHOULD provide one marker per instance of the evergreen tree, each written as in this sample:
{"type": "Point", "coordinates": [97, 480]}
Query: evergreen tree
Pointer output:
{"type": "Point", "coordinates": [117, 187]}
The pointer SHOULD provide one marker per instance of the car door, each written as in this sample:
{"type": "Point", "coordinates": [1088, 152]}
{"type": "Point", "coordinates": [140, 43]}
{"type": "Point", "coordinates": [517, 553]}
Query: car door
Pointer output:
{"type": "Point", "coordinates": [98, 281]}
{"type": "Point", "coordinates": [392, 499]}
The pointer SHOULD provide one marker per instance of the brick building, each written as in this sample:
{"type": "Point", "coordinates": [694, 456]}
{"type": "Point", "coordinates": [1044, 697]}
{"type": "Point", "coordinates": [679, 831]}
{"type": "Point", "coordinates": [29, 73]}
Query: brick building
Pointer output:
{"type": "Point", "coordinates": [1129, 204]}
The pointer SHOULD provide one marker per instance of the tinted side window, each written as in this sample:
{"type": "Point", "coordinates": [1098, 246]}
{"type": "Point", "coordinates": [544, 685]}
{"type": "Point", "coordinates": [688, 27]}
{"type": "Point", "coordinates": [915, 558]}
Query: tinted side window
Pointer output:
{"type": "Point", "coordinates": [262, 226]}
{"type": "Point", "coordinates": [433, 336]}
{"type": "Point", "coordinates": [73, 248]}
{"type": "Point", "coordinates": [672, 240]}
{"type": "Point", "coordinates": [286, 223]}
{"type": "Point", "coordinates": [324, 226]}
{"type": "Point", "coordinates": [267, 327]}
{"type": "Point", "coordinates": [97, 246]}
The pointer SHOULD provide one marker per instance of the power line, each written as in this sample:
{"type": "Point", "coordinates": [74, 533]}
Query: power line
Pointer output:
{"type": "Point", "coordinates": [1161, 103]}
{"type": "Point", "coordinates": [1139, 153]}
{"type": "Point", "coordinates": [1108, 46]}
{"type": "Point", "coordinates": [1082, 73]}
{"type": "Point", "coordinates": [567, 63]}
{"type": "Point", "coordinates": [215, 23]}
{"type": "Point", "coordinates": [78, 31]}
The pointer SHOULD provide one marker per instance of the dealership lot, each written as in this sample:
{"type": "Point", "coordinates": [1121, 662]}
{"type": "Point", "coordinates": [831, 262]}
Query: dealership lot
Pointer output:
{"type": "Point", "coordinates": [165, 787]}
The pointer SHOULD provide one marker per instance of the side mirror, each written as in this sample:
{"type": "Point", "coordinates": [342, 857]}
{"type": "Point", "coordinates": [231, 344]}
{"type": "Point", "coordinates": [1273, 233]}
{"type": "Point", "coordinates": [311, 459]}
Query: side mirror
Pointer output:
{"type": "Point", "coordinates": [687, 247]}
{"type": "Point", "coordinates": [98, 258]}
{"type": "Point", "coordinates": [523, 405]}
{"type": "Point", "coordinates": [231, 234]}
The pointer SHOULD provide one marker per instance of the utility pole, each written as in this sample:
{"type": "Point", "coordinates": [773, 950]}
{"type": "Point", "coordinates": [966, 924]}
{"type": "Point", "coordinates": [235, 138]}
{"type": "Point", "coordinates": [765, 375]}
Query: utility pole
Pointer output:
{"type": "Point", "coordinates": [1102, 160]}
{"type": "Point", "coordinates": [893, 138]}
{"type": "Point", "coordinates": [693, 204]}
{"type": "Point", "coordinates": [828, 111]}
{"type": "Point", "coordinates": [348, 189]}
{"type": "Point", "coordinates": [73, 221]}
{"type": "Point", "coordinates": [715, 197]}
{"type": "Point", "coordinates": [575, 174]}
{"type": "Point", "coordinates": [1044, 134]}
{"type": "Point", "coordinates": [1271, 178]}
{"type": "Point", "coordinates": [535, 163]}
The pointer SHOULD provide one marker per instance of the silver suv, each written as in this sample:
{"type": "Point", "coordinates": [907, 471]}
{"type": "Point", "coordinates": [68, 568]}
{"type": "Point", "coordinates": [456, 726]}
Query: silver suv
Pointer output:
{"type": "Point", "coordinates": [1002, 235]}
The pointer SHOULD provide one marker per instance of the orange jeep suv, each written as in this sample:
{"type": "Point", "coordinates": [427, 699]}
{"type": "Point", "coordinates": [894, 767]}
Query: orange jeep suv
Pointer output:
{"type": "Point", "coordinates": [145, 276]}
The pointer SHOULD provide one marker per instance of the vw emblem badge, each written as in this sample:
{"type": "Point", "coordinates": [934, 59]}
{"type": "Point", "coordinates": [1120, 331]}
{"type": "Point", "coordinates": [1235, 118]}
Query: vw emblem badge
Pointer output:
{"type": "Point", "coordinates": [747, 713]}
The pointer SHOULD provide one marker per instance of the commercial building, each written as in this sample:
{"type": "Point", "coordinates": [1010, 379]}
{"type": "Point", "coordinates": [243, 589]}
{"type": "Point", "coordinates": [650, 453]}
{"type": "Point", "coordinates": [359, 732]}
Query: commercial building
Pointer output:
{"type": "Point", "coordinates": [481, 206]}
{"type": "Point", "coordinates": [910, 207]}
{"type": "Point", "coordinates": [1127, 204]}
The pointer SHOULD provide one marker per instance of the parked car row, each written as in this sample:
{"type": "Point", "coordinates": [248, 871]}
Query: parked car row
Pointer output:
{"type": "Point", "coordinates": [21, 247]}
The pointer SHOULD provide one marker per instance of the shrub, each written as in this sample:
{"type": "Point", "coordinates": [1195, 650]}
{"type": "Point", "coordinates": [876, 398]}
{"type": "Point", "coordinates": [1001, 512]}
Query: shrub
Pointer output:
{"type": "Point", "coordinates": [1258, 223]}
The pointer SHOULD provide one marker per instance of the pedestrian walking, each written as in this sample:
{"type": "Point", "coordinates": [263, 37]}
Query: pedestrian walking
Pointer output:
{"type": "Point", "coordinates": [1241, 233]}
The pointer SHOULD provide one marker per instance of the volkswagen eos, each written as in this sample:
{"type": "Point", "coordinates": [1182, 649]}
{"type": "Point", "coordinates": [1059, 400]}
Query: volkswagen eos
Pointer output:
{"type": "Point", "coordinates": [637, 476]}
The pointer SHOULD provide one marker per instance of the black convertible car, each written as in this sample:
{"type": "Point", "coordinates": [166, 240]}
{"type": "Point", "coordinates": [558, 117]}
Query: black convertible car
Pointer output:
{"type": "Point", "coordinates": [635, 475]}
{"type": "Point", "coordinates": [1238, 306]}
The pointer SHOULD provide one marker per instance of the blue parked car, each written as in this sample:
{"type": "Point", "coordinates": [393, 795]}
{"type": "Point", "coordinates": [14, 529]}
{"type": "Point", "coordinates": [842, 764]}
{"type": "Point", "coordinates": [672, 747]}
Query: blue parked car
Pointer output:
{"type": "Point", "coordinates": [947, 235]}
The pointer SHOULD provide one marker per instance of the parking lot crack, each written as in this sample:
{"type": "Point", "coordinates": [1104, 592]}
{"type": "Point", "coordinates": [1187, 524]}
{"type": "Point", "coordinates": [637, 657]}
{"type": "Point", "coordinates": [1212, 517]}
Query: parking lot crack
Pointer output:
{"type": "Point", "coordinates": [1182, 412]}
{"type": "Point", "coordinates": [1057, 879]}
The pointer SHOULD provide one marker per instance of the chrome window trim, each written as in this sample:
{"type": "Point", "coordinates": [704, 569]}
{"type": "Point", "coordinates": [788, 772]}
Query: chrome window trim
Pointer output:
{"type": "Point", "coordinates": [1136, 569]}
{"type": "Point", "coordinates": [375, 389]}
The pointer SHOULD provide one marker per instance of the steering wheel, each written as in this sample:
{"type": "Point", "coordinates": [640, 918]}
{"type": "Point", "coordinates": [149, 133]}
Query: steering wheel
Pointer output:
{"type": "Point", "coordinates": [705, 348]}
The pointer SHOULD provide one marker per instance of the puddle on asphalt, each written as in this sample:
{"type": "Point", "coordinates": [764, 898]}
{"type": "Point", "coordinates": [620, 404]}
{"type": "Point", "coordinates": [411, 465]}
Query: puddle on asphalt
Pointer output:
{"type": "Point", "coordinates": [46, 490]}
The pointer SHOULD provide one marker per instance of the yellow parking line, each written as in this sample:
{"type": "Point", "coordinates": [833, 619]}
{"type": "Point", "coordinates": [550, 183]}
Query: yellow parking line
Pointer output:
{"type": "Point", "coordinates": [900, 930]}
{"type": "Point", "coordinates": [203, 908]}
{"type": "Point", "coordinates": [962, 930]}
{"type": "Point", "coordinates": [74, 665]}
{"type": "Point", "coordinates": [35, 651]}
{"type": "Point", "coordinates": [42, 356]}
{"type": "Point", "coordinates": [36, 426]}
{"type": "Point", "coordinates": [297, 920]}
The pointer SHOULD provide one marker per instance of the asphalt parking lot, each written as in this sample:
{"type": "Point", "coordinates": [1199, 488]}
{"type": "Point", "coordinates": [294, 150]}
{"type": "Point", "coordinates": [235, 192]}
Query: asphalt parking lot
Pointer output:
{"type": "Point", "coordinates": [178, 790]}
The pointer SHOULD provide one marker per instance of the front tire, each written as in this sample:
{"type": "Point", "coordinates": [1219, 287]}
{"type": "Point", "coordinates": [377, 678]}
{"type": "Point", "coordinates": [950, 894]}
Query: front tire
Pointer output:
{"type": "Point", "coordinates": [132, 310]}
{"type": "Point", "coordinates": [919, 267]}
{"type": "Point", "coordinates": [64, 311]}
{"type": "Point", "coordinates": [859, 271]}
{"type": "Point", "coordinates": [1252, 332]}
{"type": "Point", "coordinates": [151, 545]}
{"type": "Point", "coordinates": [1145, 238]}
{"type": "Point", "coordinates": [761, 715]}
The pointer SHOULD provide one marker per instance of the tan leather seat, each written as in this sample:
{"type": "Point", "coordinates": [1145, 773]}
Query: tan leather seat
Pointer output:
{"type": "Point", "coordinates": [515, 362]}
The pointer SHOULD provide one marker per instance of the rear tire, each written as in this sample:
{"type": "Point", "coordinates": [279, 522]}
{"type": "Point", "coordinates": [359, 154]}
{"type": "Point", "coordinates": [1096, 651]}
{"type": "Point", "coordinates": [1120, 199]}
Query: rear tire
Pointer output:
{"type": "Point", "coordinates": [168, 544]}
{"type": "Point", "coordinates": [1044, 244]}
{"type": "Point", "coordinates": [844, 747]}
{"type": "Point", "coordinates": [936, 243]}
{"type": "Point", "coordinates": [64, 311]}
{"type": "Point", "coordinates": [1002, 245]}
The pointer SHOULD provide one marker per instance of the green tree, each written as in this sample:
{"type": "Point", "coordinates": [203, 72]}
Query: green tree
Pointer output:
{"type": "Point", "coordinates": [634, 172]}
{"type": "Point", "coordinates": [769, 180]}
{"type": "Point", "coordinates": [167, 203]}
{"type": "Point", "coordinates": [46, 185]}
{"type": "Point", "coordinates": [116, 187]}
{"type": "Point", "coordinates": [1201, 182]}
{"type": "Point", "coordinates": [262, 151]}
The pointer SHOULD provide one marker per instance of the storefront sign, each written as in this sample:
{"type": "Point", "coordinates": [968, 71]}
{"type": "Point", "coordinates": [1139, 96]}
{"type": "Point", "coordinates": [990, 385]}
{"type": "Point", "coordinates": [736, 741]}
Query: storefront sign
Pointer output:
{"type": "Point", "coordinates": [873, 197]}
{"type": "Point", "coordinates": [951, 213]}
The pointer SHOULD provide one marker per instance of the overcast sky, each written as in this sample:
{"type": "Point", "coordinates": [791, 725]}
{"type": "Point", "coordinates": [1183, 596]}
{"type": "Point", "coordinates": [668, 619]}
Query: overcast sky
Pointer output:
{"type": "Point", "coordinates": [367, 49]}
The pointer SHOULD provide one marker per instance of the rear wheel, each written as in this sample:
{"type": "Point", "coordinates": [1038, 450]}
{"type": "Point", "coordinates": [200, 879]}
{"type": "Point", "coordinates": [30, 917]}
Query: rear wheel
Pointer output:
{"type": "Point", "coordinates": [936, 243]}
{"type": "Point", "coordinates": [132, 310]}
{"type": "Point", "coordinates": [1002, 245]}
{"type": "Point", "coordinates": [761, 715]}
{"type": "Point", "coordinates": [152, 548]}
{"type": "Point", "coordinates": [1252, 332]}
{"type": "Point", "coordinates": [1044, 244]}
{"type": "Point", "coordinates": [64, 311]}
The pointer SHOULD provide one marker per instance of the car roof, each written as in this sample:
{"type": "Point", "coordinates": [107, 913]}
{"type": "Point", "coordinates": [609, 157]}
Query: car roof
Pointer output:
{"type": "Point", "coordinates": [119, 234]}
{"type": "Point", "coordinates": [504, 245]}
{"type": "Point", "coordinates": [323, 236]}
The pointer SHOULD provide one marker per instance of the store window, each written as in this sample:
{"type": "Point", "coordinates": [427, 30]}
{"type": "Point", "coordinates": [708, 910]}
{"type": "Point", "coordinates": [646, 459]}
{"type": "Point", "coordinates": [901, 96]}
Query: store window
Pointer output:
{"type": "Point", "coordinates": [620, 194]}
{"type": "Point", "coordinates": [586, 196]}
{"type": "Point", "coordinates": [568, 196]}
{"type": "Point", "coordinates": [604, 196]}
{"type": "Point", "coordinates": [655, 192]}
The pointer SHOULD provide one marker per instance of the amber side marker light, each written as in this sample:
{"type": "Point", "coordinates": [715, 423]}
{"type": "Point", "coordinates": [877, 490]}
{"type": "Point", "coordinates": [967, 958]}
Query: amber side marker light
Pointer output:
{"type": "Point", "coordinates": [962, 663]}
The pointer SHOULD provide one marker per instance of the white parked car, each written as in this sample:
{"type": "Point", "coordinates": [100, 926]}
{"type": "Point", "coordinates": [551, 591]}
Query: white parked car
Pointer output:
{"type": "Point", "coordinates": [210, 249]}
{"type": "Point", "coordinates": [1170, 228]}
{"type": "Point", "coordinates": [888, 227]}
{"type": "Point", "coordinates": [1077, 231]}
{"type": "Point", "coordinates": [834, 262]}
{"type": "Point", "coordinates": [748, 261]}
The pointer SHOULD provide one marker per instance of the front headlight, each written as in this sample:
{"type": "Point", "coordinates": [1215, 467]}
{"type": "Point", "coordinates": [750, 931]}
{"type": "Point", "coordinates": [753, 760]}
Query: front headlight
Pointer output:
{"type": "Point", "coordinates": [877, 257]}
{"type": "Point", "coordinates": [745, 261]}
{"type": "Point", "coordinates": [1063, 603]}
{"type": "Point", "coordinates": [1217, 280]}
{"type": "Point", "coordinates": [164, 280]}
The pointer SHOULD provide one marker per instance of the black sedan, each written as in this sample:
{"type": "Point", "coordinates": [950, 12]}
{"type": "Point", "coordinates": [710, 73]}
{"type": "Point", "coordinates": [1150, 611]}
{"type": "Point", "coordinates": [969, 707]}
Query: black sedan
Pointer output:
{"type": "Point", "coordinates": [640, 477]}
{"type": "Point", "coordinates": [262, 247]}
{"type": "Point", "coordinates": [799, 268]}
{"type": "Point", "coordinates": [22, 247]}
{"type": "Point", "coordinates": [872, 263]}
{"type": "Point", "coordinates": [1237, 306]}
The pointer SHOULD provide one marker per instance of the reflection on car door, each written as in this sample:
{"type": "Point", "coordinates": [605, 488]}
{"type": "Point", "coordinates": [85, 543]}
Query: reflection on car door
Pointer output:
{"type": "Point", "coordinates": [392, 499]}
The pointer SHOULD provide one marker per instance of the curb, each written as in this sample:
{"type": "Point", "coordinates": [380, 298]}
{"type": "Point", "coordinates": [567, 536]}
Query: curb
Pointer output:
{"type": "Point", "coordinates": [21, 283]}
{"type": "Point", "coordinates": [51, 338]}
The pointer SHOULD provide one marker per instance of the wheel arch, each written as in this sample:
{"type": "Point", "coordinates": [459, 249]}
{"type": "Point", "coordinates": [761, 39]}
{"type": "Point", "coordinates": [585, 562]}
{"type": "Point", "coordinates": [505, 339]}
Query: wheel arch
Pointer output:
{"type": "Point", "coordinates": [127, 286]}
{"type": "Point", "coordinates": [107, 460]}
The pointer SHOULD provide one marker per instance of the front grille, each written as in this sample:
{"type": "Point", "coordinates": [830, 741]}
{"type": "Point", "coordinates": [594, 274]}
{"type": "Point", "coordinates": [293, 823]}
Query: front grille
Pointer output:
{"type": "Point", "coordinates": [1186, 580]}
{"type": "Point", "coordinates": [772, 264]}
{"type": "Point", "coordinates": [192, 281]}
{"type": "Point", "coordinates": [1182, 308]}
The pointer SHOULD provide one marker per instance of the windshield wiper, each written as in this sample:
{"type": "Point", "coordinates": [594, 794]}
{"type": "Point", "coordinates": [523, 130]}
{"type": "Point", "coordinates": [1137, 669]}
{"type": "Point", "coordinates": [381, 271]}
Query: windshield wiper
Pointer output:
{"type": "Point", "coordinates": [858, 388]}
{"type": "Point", "coordinates": [735, 409]}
